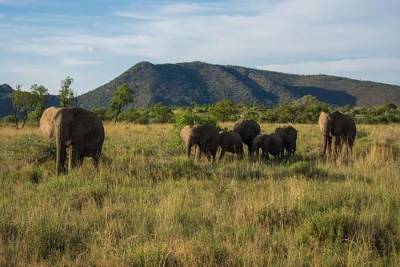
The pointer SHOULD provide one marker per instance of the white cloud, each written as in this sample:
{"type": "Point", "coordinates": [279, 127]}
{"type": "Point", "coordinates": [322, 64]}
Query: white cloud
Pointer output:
{"type": "Point", "coordinates": [79, 62]}
{"type": "Point", "coordinates": [356, 38]}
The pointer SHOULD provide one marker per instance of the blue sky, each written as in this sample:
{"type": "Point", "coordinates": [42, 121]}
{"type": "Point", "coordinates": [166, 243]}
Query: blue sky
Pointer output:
{"type": "Point", "coordinates": [43, 41]}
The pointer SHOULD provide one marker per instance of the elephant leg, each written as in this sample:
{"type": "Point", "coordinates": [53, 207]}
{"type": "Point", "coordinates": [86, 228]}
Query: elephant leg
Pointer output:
{"type": "Point", "coordinates": [213, 154]}
{"type": "Point", "coordinates": [208, 155]}
{"type": "Point", "coordinates": [197, 153]}
{"type": "Point", "coordinates": [222, 154]}
{"type": "Point", "coordinates": [336, 146]}
{"type": "Point", "coordinates": [250, 150]}
{"type": "Point", "coordinates": [70, 157]}
{"type": "Point", "coordinates": [96, 159]}
{"type": "Point", "coordinates": [329, 144]}
{"type": "Point", "coordinates": [240, 154]}
{"type": "Point", "coordinates": [77, 156]}
{"type": "Point", "coordinates": [265, 155]}
{"type": "Point", "coordinates": [60, 161]}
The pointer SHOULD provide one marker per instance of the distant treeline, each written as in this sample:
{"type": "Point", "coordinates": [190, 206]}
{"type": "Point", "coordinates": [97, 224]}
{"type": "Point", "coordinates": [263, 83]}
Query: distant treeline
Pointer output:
{"type": "Point", "coordinates": [303, 110]}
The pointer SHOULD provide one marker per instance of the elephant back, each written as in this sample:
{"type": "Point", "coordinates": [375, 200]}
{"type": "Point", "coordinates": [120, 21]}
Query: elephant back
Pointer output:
{"type": "Point", "coordinates": [247, 129]}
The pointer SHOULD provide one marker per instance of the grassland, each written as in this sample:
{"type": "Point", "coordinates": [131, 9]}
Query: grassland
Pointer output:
{"type": "Point", "coordinates": [149, 205]}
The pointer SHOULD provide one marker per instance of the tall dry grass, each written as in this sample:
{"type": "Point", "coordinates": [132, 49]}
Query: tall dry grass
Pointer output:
{"type": "Point", "coordinates": [148, 205]}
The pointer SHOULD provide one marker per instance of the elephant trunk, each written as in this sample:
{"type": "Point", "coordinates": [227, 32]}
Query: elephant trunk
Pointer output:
{"type": "Point", "coordinates": [61, 154]}
{"type": "Point", "coordinates": [325, 143]}
{"type": "Point", "coordinates": [189, 148]}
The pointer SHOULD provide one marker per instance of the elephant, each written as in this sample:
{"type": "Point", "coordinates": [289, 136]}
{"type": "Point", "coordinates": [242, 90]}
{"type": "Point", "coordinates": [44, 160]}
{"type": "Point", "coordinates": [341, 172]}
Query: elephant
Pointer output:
{"type": "Point", "coordinates": [269, 144]}
{"type": "Point", "coordinates": [339, 127]}
{"type": "Point", "coordinates": [248, 130]}
{"type": "Point", "coordinates": [289, 138]}
{"type": "Point", "coordinates": [76, 129]}
{"type": "Point", "coordinates": [206, 137]}
{"type": "Point", "coordinates": [230, 141]}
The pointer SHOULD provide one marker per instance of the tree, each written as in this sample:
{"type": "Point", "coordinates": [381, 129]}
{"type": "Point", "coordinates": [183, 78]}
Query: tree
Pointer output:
{"type": "Point", "coordinates": [66, 92]}
{"type": "Point", "coordinates": [23, 102]}
{"type": "Point", "coordinates": [223, 110]}
{"type": "Point", "coordinates": [40, 95]}
{"type": "Point", "coordinates": [123, 96]}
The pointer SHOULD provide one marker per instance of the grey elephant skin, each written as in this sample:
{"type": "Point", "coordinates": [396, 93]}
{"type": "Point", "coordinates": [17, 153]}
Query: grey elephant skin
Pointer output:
{"type": "Point", "coordinates": [230, 141]}
{"type": "Point", "coordinates": [206, 137]}
{"type": "Point", "coordinates": [338, 127]}
{"type": "Point", "coordinates": [269, 144]}
{"type": "Point", "coordinates": [289, 138]}
{"type": "Point", "coordinates": [76, 129]}
{"type": "Point", "coordinates": [248, 130]}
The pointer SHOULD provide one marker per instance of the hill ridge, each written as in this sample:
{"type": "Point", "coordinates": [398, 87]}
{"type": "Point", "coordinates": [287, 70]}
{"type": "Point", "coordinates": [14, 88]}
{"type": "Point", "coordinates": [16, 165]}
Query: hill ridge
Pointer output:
{"type": "Point", "coordinates": [204, 83]}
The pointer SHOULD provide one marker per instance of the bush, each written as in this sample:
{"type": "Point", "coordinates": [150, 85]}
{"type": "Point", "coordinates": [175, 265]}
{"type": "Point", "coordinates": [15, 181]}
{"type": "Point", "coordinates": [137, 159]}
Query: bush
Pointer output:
{"type": "Point", "coordinates": [32, 148]}
{"type": "Point", "coordinates": [9, 119]}
{"type": "Point", "coordinates": [192, 119]}
{"type": "Point", "coordinates": [161, 114]}
{"type": "Point", "coordinates": [102, 113]}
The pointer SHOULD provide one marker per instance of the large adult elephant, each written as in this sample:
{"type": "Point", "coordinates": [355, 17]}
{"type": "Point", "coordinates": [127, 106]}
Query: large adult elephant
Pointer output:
{"type": "Point", "coordinates": [339, 127]}
{"type": "Point", "coordinates": [77, 129]}
{"type": "Point", "coordinates": [248, 130]}
{"type": "Point", "coordinates": [206, 137]}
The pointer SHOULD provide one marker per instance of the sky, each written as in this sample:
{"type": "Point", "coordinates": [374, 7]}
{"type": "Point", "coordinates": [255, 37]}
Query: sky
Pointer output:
{"type": "Point", "coordinates": [93, 41]}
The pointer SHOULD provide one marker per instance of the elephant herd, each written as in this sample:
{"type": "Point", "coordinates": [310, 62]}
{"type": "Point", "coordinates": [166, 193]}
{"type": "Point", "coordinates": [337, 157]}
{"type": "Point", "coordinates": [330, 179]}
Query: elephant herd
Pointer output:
{"type": "Point", "coordinates": [79, 133]}
{"type": "Point", "coordinates": [207, 140]}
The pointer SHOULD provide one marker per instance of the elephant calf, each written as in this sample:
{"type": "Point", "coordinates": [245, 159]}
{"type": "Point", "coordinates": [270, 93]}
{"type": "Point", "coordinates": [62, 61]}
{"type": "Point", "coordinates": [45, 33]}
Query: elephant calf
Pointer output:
{"type": "Point", "coordinates": [230, 141]}
{"type": "Point", "coordinates": [289, 138]}
{"type": "Point", "coordinates": [79, 130]}
{"type": "Point", "coordinates": [269, 144]}
{"type": "Point", "coordinates": [206, 137]}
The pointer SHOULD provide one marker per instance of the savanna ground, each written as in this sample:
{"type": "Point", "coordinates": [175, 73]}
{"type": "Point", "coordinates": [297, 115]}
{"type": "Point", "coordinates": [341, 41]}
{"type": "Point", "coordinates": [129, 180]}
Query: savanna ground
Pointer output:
{"type": "Point", "coordinates": [149, 205]}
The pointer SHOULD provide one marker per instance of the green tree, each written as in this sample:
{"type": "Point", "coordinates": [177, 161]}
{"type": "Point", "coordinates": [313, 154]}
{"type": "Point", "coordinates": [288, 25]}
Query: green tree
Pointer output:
{"type": "Point", "coordinates": [66, 92]}
{"type": "Point", "coordinates": [123, 96]}
{"type": "Point", "coordinates": [161, 113]}
{"type": "Point", "coordinates": [223, 110]}
{"type": "Point", "coordinates": [23, 103]}
{"type": "Point", "coordinates": [40, 95]}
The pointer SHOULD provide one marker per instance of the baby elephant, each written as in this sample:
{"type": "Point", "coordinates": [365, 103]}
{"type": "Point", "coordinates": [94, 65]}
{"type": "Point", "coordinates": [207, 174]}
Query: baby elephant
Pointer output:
{"type": "Point", "coordinates": [269, 144]}
{"type": "Point", "coordinates": [230, 141]}
{"type": "Point", "coordinates": [289, 138]}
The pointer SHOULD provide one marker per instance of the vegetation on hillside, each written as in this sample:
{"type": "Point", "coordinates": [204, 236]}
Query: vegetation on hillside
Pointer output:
{"type": "Point", "coordinates": [303, 110]}
{"type": "Point", "coordinates": [148, 205]}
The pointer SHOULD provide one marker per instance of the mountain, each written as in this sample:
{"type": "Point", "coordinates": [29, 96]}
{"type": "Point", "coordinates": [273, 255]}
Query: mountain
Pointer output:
{"type": "Point", "coordinates": [6, 107]}
{"type": "Point", "coordinates": [185, 83]}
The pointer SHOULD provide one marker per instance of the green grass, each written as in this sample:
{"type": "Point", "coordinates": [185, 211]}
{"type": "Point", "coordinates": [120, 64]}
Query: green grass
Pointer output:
{"type": "Point", "coordinates": [149, 205]}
